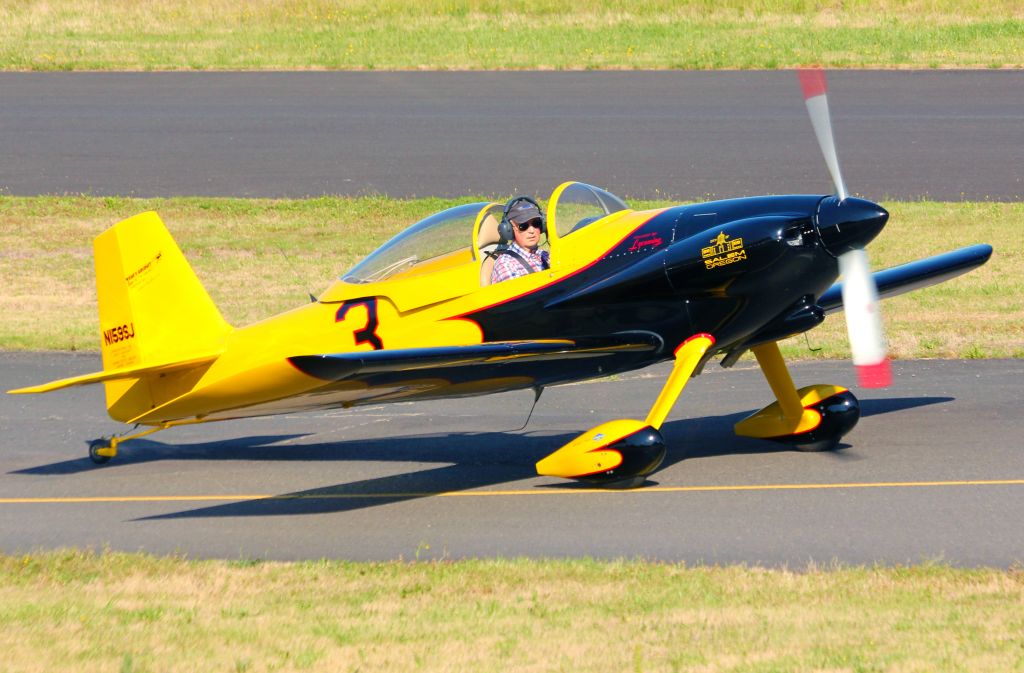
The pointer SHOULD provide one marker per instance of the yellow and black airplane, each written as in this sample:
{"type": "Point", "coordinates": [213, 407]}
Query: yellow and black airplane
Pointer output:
{"type": "Point", "coordinates": [420, 319]}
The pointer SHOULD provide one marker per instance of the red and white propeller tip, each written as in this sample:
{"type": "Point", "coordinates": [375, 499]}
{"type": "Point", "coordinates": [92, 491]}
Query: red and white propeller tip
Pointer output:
{"type": "Point", "coordinates": [860, 294]}
{"type": "Point", "coordinates": [864, 321]}
{"type": "Point", "coordinates": [812, 81]}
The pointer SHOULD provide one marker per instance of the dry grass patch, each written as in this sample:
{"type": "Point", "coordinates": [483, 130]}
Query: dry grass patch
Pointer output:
{"type": "Point", "coordinates": [95, 612]}
{"type": "Point", "coordinates": [524, 34]}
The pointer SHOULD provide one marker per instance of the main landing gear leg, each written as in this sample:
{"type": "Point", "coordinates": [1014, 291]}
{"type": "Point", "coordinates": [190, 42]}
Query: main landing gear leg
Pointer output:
{"type": "Point", "coordinates": [102, 450]}
{"type": "Point", "coordinates": [813, 418]}
{"type": "Point", "coordinates": [621, 453]}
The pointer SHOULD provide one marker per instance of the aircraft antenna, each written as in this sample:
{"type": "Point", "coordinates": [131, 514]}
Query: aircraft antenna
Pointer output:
{"type": "Point", "coordinates": [809, 347]}
{"type": "Point", "coordinates": [537, 390]}
{"type": "Point", "coordinates": [291, 265]}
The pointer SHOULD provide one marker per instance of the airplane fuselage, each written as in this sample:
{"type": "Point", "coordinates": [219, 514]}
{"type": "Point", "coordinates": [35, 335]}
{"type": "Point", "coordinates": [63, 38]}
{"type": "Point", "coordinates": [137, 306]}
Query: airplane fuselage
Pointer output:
{"type": "Point", "coordinates": [743, 270]}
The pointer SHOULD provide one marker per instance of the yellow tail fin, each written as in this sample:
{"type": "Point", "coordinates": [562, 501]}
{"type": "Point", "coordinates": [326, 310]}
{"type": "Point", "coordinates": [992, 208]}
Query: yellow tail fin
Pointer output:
{"type": "Point", "coordinates": [153, 311]}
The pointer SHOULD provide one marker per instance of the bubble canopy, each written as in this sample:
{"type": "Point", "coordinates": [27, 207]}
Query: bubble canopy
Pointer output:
{"type": "Point", "coordinates": [449, 238]}
{"type": "Point", "coordinates": [449, 232]}
{"type": "Point", "coordinates": [575, 205]}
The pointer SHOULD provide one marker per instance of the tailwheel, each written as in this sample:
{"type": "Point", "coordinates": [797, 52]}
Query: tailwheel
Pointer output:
{"type": "Point", "coordinates": [102, 450]}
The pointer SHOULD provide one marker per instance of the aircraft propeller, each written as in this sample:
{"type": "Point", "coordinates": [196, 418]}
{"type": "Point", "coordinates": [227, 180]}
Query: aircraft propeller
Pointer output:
{"type": "Point", "coordinates": [860, 294]}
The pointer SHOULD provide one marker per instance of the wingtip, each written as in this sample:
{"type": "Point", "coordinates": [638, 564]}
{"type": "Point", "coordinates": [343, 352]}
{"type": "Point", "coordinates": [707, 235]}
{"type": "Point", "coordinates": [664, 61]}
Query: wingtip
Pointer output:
{"type": "Point", "coordinates": [44, 388]}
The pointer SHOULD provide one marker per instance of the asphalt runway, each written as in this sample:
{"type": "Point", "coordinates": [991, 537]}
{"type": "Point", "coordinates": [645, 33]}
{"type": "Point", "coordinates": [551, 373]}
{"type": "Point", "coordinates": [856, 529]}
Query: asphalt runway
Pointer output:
{"type": "Point", "coordinates": [934, 471]}
{"type": "Point", "coordinates": [947, 135]}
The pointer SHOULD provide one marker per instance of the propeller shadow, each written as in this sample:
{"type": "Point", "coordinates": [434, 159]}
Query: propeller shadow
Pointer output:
{"type": "Point", "coordinates": [891, 404]}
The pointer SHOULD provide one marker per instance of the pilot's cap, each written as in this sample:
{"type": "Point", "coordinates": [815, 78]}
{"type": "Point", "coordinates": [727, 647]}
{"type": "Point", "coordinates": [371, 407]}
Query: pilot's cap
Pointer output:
{"type": "Point", "coordinates": [524, 211]}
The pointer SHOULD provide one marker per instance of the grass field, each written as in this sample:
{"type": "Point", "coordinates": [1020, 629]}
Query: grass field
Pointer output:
{"type": "Point", "coordinates": [260, 257]}
{"type": "Point", "coordinates": [514, 34]}
{"type": "Point", "coordinates": [106, 612]}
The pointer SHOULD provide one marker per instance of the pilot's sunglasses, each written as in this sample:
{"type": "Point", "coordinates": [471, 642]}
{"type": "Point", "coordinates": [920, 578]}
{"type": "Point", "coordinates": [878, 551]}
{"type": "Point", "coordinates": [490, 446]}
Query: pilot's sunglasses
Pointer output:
{"type": "Point", "coordinates": [523, 226]}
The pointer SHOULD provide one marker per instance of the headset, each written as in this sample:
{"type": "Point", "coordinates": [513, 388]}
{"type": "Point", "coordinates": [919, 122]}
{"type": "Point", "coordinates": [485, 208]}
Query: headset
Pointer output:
{"type": "Point", "coordinates": [505, 227]}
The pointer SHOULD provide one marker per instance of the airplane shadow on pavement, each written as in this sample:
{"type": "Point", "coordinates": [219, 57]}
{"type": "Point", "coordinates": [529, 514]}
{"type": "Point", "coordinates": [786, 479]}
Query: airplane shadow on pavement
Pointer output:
{"type": "Point", "coordinates": [474, 460]}
{"type": "Point", "coordinates": [487, 459]}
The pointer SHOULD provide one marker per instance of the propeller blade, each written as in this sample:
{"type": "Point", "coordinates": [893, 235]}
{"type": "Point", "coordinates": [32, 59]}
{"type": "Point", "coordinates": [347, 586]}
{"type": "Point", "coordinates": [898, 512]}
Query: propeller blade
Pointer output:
{"type": "Point", "coordinates": [860, 295]}
{"type": "Point", "coordinates": [812, 81]}
{"type": "Point", "coordinates": [864, 321]}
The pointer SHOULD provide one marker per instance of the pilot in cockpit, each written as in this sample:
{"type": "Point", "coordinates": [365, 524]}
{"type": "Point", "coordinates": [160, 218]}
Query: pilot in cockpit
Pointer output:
{"type": "Point", "coordinates": [521, 226]}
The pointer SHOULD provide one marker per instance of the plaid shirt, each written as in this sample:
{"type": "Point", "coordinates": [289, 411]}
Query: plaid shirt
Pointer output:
{"type": "Point", "coordinates": [507, 266]}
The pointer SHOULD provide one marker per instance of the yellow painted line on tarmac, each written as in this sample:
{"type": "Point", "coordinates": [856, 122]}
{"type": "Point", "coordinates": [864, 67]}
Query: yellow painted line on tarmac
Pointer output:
{"type": "Point", "coordinates": [241, 497]}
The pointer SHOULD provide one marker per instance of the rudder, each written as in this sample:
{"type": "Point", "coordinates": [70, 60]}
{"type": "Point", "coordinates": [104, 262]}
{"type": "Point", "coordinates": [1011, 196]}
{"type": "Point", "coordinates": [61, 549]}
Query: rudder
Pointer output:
{"type": "Point", "coordinates": [152, 309]}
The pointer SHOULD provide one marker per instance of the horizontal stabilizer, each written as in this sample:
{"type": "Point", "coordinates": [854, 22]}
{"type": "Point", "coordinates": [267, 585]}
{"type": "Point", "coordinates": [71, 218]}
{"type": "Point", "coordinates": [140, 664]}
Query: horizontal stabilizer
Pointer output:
{"type": "Point", "coordinates": [915, 275]}
{"type": "Point", "coordinates": [119, 374]}
{"type": "Point", "coordinates": [335, 367]}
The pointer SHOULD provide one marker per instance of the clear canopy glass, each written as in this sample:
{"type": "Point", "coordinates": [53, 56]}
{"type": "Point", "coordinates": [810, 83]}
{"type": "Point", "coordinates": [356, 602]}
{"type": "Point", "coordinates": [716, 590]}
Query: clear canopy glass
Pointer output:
{"type": "Point", "coordinates": [447, 233]}
{"type": "Point", "coordinates": [445, 239]}
{"type": "Point", "coordinates": [581, 204]}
